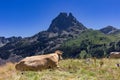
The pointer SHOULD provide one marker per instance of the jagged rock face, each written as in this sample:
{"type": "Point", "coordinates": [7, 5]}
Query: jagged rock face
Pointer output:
{"type": "Point", "coordinates": [65, 22]}
{"type": "Point", "coordinates": [108, 30]}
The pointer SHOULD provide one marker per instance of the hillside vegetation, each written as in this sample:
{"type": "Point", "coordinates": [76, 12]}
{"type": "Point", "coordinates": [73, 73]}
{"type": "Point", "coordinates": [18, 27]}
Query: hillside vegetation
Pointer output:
{"type": "Point", "coordinates": [70, 69]}
{"type": "Point", "coordinates": [91, 43]}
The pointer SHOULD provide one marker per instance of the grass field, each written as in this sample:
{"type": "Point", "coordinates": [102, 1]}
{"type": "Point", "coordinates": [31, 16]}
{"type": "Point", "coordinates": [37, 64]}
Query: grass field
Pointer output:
{"type": "Point", "coordinates": [70, 69]}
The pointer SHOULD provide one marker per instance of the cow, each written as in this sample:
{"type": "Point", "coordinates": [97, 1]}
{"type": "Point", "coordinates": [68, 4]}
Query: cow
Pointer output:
{"type": "Point", "coordinates": [40, 62]}
{"type": "Point", "coordinates": [114, 54]}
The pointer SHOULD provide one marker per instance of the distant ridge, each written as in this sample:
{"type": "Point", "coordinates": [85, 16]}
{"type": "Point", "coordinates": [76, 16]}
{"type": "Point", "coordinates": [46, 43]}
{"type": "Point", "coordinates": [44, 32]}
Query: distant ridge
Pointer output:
{"type": "Point", "coordinates": [4, 41]}
{"type": "Point", "coordinates": [109, 30]}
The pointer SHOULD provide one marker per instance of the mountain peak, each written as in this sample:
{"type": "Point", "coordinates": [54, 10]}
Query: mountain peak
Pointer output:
{"type": "Point", "coordinates": [64, 21]}
{"type": "Point", "coordinates": [63, 14]}
{"type": "Point", "coordinates": [111, 27]}
{"type": "Point", "coordinates": [108, 30]}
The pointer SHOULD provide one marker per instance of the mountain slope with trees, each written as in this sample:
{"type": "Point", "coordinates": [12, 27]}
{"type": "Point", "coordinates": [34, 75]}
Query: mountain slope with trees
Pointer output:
{"type": "Point", "coordinates": [91, 43]}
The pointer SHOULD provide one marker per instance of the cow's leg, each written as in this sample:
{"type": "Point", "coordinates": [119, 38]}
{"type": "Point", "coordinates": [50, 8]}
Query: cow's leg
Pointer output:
{"type": "Point", "coordinates": [57, 65]}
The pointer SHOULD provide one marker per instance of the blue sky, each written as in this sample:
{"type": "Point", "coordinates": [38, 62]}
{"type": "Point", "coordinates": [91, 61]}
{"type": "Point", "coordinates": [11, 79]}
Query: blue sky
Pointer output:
{"type": "Point", "coordinates": [28, 17]}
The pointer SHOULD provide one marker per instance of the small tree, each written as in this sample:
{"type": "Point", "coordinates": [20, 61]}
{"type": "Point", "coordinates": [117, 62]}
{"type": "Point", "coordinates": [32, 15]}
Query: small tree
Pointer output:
{"type": "Point", "coordinates": [82, 54]}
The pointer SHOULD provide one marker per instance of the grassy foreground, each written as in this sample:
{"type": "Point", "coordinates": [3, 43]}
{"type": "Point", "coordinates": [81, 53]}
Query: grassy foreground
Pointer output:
{"type": "Point", "coordinates": [70, 69]}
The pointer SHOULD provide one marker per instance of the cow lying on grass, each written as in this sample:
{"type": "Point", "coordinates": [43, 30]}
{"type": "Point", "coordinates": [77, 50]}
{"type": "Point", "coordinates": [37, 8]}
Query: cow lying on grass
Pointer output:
{"type": "Point", "coordinates": [115, 55]}
{"type": "Point", "coordinates": [40, 62]}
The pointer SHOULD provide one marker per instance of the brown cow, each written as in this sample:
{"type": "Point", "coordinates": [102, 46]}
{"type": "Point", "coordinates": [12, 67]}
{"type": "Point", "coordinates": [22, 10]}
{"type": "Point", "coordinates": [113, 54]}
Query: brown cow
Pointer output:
{"type": "Point", "coordinates": [40, 62]}
{"type": "Point", "coordinates": [115, 55]}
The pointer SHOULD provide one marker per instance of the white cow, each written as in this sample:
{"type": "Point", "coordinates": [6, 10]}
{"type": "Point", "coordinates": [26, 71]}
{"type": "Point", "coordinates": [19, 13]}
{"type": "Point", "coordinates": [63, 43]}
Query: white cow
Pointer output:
{"type": "Point", "coordinates": [40, 62]}
{"type": "Point", "coordinates": [114, 54]}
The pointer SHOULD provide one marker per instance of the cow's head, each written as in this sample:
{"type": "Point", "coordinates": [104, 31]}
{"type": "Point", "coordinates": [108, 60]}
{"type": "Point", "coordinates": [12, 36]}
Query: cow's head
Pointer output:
{"type": "Point", "coordinates": [59, 54]}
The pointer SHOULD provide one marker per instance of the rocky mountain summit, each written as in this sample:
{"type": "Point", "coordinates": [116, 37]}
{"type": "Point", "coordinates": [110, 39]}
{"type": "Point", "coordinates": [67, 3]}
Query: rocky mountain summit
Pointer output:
{"type": "Point", "coordinates": [64, 22]}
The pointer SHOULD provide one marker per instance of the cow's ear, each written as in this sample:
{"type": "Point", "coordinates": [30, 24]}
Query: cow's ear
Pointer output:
{"type": "Point", "coordinates": [59, 52]}
{"type": "Point", "coordinates": [62, 52]}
